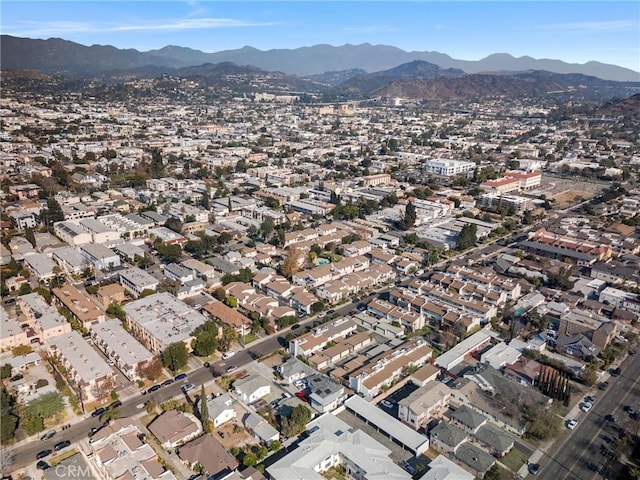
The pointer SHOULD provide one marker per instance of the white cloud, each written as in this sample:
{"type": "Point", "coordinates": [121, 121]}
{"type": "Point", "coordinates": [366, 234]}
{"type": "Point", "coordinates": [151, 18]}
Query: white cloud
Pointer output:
{"type": "Point", "coordinates": [180, 24]}
{"type": "Point", "coordinates": [593, 27]}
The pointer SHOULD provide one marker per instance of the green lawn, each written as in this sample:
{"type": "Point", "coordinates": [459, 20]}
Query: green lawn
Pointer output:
{"type": "Point", "coordinates": [514, 459]}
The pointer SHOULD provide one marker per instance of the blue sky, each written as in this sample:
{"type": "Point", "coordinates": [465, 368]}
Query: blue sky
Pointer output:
{"type": "Point", "coordinates": [572, 31]}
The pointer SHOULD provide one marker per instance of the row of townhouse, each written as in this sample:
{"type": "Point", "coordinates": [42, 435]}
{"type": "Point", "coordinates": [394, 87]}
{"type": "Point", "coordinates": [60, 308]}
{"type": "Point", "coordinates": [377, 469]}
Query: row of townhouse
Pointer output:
{"type": "Point", "coordinates": [388, 367]}
{"type": "Point", "coordinates": [314, 341]}
{"type": "Point", "coordinates": [331, 271]}
{"type": "Point", "coordinates": [451, 299]}
{"type": "Point", "coordinates": [488, 280]}
{"type": "Point", "coordinates": [351, 284]}
{"type": "Point", "coordinates": [310, 234]}
{"type": "Point", "coordinates": [280, 288]}
{"type": "Point", "coordinates": [552, 245]}
{"type": "Point", "coordinates": [267, 306]}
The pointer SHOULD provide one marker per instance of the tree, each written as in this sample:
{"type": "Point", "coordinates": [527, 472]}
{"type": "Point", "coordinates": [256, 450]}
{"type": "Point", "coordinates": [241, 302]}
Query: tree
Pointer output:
{"type": "Point", "coordinates": [5, 370]}
{"type": "Point", "coordinates": [290, 264]}
{"type": "Point", "coordinates": [44, 407]}
{"type": "Point", "coordinates": [101, 389]}
{"type": "Point", "coordinates": [220, 294]}
{"type": "Point", "coordinates": [231, 301]}
{"type": "Point", "coordinates": [266, 228]}
{"type": "Point", "coordinates": [409, 219]}
{"type": "Point", "coordinates": [111, 414]}
{"type": "Point", "coordinates": [175, 357]}
{"type": "Point", "coordinates": [174, 224]}
{"type": "Point", "coordinates": [150, 370]}
{"type": "Point", "coordinates": [28, 234]}
{"type": "Point", "coordinates": [205, 343]}
{"type": "Point", "coordinates": [467, 237]}
{"type": "Point", "coordinates": [204, 411]}
{"type": "Point", "coordinates": [229, 335]}
{"type": "Point", "coordinates": [250, 459]}
{"type": "Point", "coordinates": [296, 422]}
{"type": "Point", "coordinates": [317, 307]}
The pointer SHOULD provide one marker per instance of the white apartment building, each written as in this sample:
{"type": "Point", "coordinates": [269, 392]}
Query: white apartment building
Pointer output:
{"type": "Point", "coordinates": [449, 168]}
{"type": "Point", "coordinates": [127, 354]}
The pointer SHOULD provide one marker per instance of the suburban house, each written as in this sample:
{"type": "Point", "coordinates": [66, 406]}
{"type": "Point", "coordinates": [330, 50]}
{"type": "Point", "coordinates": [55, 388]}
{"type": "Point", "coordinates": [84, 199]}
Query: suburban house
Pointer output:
{"type": "Point", "coordinates": [252, 388]}
{"type": "Point", "coordinates": [173, 428]}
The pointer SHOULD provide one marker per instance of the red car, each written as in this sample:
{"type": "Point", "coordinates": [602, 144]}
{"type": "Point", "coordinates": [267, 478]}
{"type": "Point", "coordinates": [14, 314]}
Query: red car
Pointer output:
{"type": "Point", "coordinates": [302, 396]}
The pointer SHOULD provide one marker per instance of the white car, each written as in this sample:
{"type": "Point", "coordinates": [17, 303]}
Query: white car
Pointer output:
{"type": "Point", "coordinates": [187, 387]}
{"type": "Point", "coordinates": [571, 424]}
{"type": "Point", "coordinates": [586, 406]}
{"type": "Point", "coordinates": [228, 355]}
{"type": "Point", "coordinates": [386, 404]}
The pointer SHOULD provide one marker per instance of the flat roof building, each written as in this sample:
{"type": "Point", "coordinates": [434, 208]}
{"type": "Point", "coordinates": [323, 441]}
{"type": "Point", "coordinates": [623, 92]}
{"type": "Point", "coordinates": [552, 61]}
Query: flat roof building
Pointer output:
{"type": "Point", "coordinates": [161, 319]}
{"type": "Point", "coordinates": [84, 365]}
{"type": "Point", "coordinates": [128, 355]}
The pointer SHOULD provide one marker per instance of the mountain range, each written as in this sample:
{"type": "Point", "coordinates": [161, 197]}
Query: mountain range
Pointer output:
{"type": "Point", "coordinates": [56, 56]}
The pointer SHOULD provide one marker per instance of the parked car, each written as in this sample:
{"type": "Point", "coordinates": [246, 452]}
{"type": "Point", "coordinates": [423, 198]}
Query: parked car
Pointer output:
{"type": "Point", "coordinates": [154, 388]}
{"type": "Point", "coordinates": [206, 364]}
{"type": "Point", "coordinates": [603, 386]}
{"type": "Point", "coordinates": [43, 453]}
{"type": "Point", "coordinates": [590, 399]}
{"type": "Point", "coordinates": [60, 445]}
{"type": "Point", "coordinates": [115, 404]}
{"type": "Point", "coordinates": [302, 396]}
{"type": "Point", "coordinates": [187, 387]}
{"type": "Point", "coordinates": [611, 418]}
{"type": "Point", "coordinates": [17, 377]}
{"type": "Point", "coordinates": [534, 468]}
{"type": "Point", "coordinates": [49, 435]}
{"type": "Point", "coordinates": [167, 382]}
{"type": "Point", "coordinates": [231, 368]}
{"type": "Point", "coordinates": [182, 376]}
{"type": "Point", "coordinates": [221, 434]}
{"type": "Point", "coordinates": [42, 465]}
{"type": "Point", "coordinates": [571, 424]}
{"type": "Point", "coordinates": [586, 406]}
{"type": "Point", "coordinates": [629, 409]}
{"type": "Point", "coordinates": [615, 372]}
{"type": "Point", "coordinates": [98, 411]}
{"type": "Point", "coordinates": [386, 404]}
{"type": "Point", "coordinates": [228, 355]}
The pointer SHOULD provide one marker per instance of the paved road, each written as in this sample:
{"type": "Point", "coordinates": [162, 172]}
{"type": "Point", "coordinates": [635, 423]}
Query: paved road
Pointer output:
{"type": "Point", "coordinates": [25, 454]}
{"type": "Point", "coordinates": [585, 453]}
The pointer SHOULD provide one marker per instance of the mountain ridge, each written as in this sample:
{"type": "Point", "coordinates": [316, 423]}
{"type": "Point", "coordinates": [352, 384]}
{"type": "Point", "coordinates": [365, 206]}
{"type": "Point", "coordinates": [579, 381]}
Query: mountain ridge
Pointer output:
{"type": "Point", "coordinates": [56, 55]}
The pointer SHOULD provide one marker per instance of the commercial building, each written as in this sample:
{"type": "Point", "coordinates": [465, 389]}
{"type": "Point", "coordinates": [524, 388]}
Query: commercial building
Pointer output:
{"type": "Point", "coordinates": [449, 168]}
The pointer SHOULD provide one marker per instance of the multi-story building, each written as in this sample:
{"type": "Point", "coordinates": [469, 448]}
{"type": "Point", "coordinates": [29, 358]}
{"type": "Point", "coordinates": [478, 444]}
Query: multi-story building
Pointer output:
{"type": "Point", "coordinates": [44, 320]}
{"type": "Point", "coordinates": [424, 404]}
{"type": "Point", "coordinates": [128, 355]}
{"type": "Point", "coordinates": [93, 377]}
{"type": "Point", "coordinates": [136, 281]}
{"type": "Point", "coordinates": [160, 320]}
{"type": "Point", "coordinates": [79, 305]}
{"type": "Point", "coordinates": [101, 257]}
{"type": "Point", "coordinates": [11, 334]}
{"type": "Point", "coordinates": [71, 233]}
{"type": "Point", "coordinates": [384, 369]}
{"type": "Point", "coordinates": [449, 168]}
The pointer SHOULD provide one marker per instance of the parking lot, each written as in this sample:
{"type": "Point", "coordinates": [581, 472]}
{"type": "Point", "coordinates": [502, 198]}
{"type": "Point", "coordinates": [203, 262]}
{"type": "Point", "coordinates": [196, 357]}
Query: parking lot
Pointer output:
{"type": "Point", "coordinates": [398, 454]}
